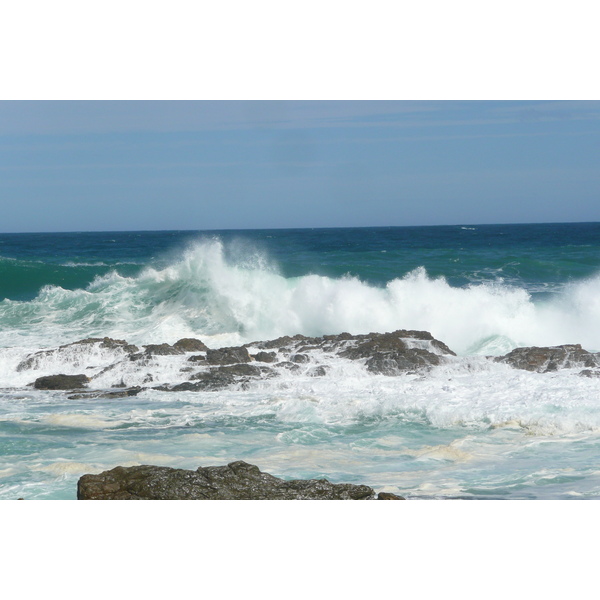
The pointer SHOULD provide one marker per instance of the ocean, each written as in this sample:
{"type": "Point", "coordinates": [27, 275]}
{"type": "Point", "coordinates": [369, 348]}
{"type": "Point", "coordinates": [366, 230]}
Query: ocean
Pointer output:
{"type": "Point", "coordinates": [468, 428]}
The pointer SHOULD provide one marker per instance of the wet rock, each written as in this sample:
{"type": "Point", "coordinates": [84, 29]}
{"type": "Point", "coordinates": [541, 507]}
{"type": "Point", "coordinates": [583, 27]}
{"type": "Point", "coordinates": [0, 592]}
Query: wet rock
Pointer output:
{"type": "Point", "coordinates": [589, 373]}
{"type": "Point", "coordinates": [396, 363]}
{"type": "Point", "coordinates": [389, 496]}
{"type": "Point", "coordinates": [61, 382]}
{"type": "Point", "coordinates": [223, 377]}
{"type": "Point", "coordinates": [319, 371]}
{"type": "Point", "coordinates": [267, 357]}
{"type": "Point", "coordinates": [391, 354]}
{"type": "Point", "coordinates": [283, 342]}
{"type": "Point", "coordinates": [197, 358]}
{"type": "Point", "coordinates": [228, 356]}
{"type": "Point", "coordinates": [286, 364]}
{"type": "Point", "coordinates": [35, 360]}
{"type": "Point", "coordinates": [107, 342]}
{"type": "Point", "coordinates": [107, 394]}
{"type": "Point", "coordinates": [161, 350]}
{"type": "Point", "coordinates": [547, 359]}
{"type": "Point", "coordinates": [190, 345]}
{"type": "Point", "coordinates": [299, 358]}
{"type": "Point", "coordinates": [236, 481]}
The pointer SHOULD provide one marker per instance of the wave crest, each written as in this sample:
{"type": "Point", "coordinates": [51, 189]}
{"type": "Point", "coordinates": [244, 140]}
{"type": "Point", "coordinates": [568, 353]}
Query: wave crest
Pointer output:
{"type": "Point", "coordinates": [235, 294]}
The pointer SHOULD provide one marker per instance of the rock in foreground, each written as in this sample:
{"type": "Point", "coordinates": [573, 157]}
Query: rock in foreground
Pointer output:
{"type": "Point", "coordinates": [235, 481]}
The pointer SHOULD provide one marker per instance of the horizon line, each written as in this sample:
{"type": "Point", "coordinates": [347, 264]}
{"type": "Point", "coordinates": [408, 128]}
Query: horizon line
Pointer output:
{"type": "Point", "coordinates": [460, 224]}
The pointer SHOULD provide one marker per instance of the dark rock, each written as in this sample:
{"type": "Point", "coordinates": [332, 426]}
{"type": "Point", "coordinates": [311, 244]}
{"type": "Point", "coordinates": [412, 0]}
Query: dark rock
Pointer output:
{"type": "Point", "coordinates": [107, 342]}
{"type": "Point", "coordinates": [161, 350]}
{"type": "Point", "coordinates": [589, 373]}
{"type": "Point", "coordinates": [299, 358]}
{"type": "Point", "coordinates": [190, 345]}
{"type": "Point", "coordinates": [319, 371]}
{"type": "Point", "coordinates": [282, 342]}
{"type": "Point", "coordinates": [197, 358]}
{"type": "Point", "coordinates": [61, 382]}
{"type": "Point", "coordinates": [236, 481]}
{"type": "Point", "coordinates": [390, 354]}
{"type": "Point", "coordinates": [389, 496]}
{"type": "Point", "coordinates": [547, 359]}
{"type": "Point", "coordinates": [267, 357]}
{"type": "Point", "coordinates": [286, 364]}
{"type": "Point", "coordinates": [228, 356]}
{"type": "Point", "coordinates": [395, 363]}
{"type": "Point", "coordinates": [134, 391]}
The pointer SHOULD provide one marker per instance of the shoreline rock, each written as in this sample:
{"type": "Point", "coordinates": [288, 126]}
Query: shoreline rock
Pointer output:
{"type": "Point", "coordinates": [236, 481]}
{"type": "Point", "coordinates": [549, 359]}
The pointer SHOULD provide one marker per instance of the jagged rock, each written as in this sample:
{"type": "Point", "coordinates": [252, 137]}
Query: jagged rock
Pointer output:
{"type": "Point", "coordinates": [190, 345]}
{"type": "Point", "coordinates": [161, 350]}
{"type": "Point", "coordinates": [61, 382]}
{"type": "Point", "coordinates": [282, 342]}
{"type": "Point", "coordinates": [390, 354]}
{"type": "Point", "coordinates": [543, 360]}
{"type": "Point", "coordinates": [395, 363]}
{"type": "Point", "coordinates": [267, 357]}
{"type": "Point", "coordinates": [236, 481]}
{"type": "Point", "coordinates": [228, 356]}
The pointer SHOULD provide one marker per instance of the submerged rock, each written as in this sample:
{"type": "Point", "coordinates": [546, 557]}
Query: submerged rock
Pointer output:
{"type": "Point", "coordinates": [547, 359]}
{"type": "Point", "coordinates": [66, 351]}
{"type": "Point", "coordinates": [235, 481]}
{"type": "Point", "coordinates": [61, 382]}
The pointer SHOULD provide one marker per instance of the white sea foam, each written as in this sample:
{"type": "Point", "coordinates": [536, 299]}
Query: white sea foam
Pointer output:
{"type": "Point", "coordinates": [229, 299]}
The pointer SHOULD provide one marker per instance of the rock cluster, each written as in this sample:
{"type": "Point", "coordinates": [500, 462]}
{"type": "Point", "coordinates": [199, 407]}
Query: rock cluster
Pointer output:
{"type": "Point", "coordinates": [235, 481]}
{"type": "Point", "coordinates": [553, 358]}
{"type": "Point", "coordinates": [209, 369]}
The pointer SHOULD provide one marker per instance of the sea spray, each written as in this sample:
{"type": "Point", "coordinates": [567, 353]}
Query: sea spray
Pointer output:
{"type": "Point", "coordinates": [206, 292]}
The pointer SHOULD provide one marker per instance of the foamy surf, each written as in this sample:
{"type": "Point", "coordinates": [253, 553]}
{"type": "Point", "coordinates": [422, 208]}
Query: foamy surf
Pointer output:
{"type": "Point", "coordinates": [226, 300]}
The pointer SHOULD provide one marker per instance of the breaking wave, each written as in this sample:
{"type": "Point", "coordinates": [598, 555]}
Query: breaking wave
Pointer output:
{"type": "Point", "coordinates": [233, 294]}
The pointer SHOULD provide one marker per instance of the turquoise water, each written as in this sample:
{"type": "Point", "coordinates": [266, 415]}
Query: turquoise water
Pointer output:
{"type": "Point", "coordinates": [470, 428]}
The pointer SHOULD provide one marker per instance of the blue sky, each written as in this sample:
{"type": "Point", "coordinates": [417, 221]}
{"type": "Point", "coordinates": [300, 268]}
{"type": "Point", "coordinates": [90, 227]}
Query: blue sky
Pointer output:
{"type": "Point", "coordinates": [129, 165]}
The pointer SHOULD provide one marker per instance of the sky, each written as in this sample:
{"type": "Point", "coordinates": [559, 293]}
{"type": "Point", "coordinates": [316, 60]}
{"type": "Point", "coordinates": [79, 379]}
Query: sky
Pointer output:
{"type": "Point", "coordinates": [160, 165]}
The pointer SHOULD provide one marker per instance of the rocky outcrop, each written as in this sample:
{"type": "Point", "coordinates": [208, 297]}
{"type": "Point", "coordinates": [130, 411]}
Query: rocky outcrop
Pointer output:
{"type": "Point", "coordinates": [61, 382]}
{"type": "Point", "coordinates": [553, 358]}
{"type": "Point", "coordinates": [402, 351]}
{"type": "Point", "coordinates": [235, 481]}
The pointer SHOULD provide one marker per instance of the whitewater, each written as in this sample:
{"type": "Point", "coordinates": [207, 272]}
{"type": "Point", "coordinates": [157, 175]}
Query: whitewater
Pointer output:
{"type": "Point", "coordinates": [469, 427]}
